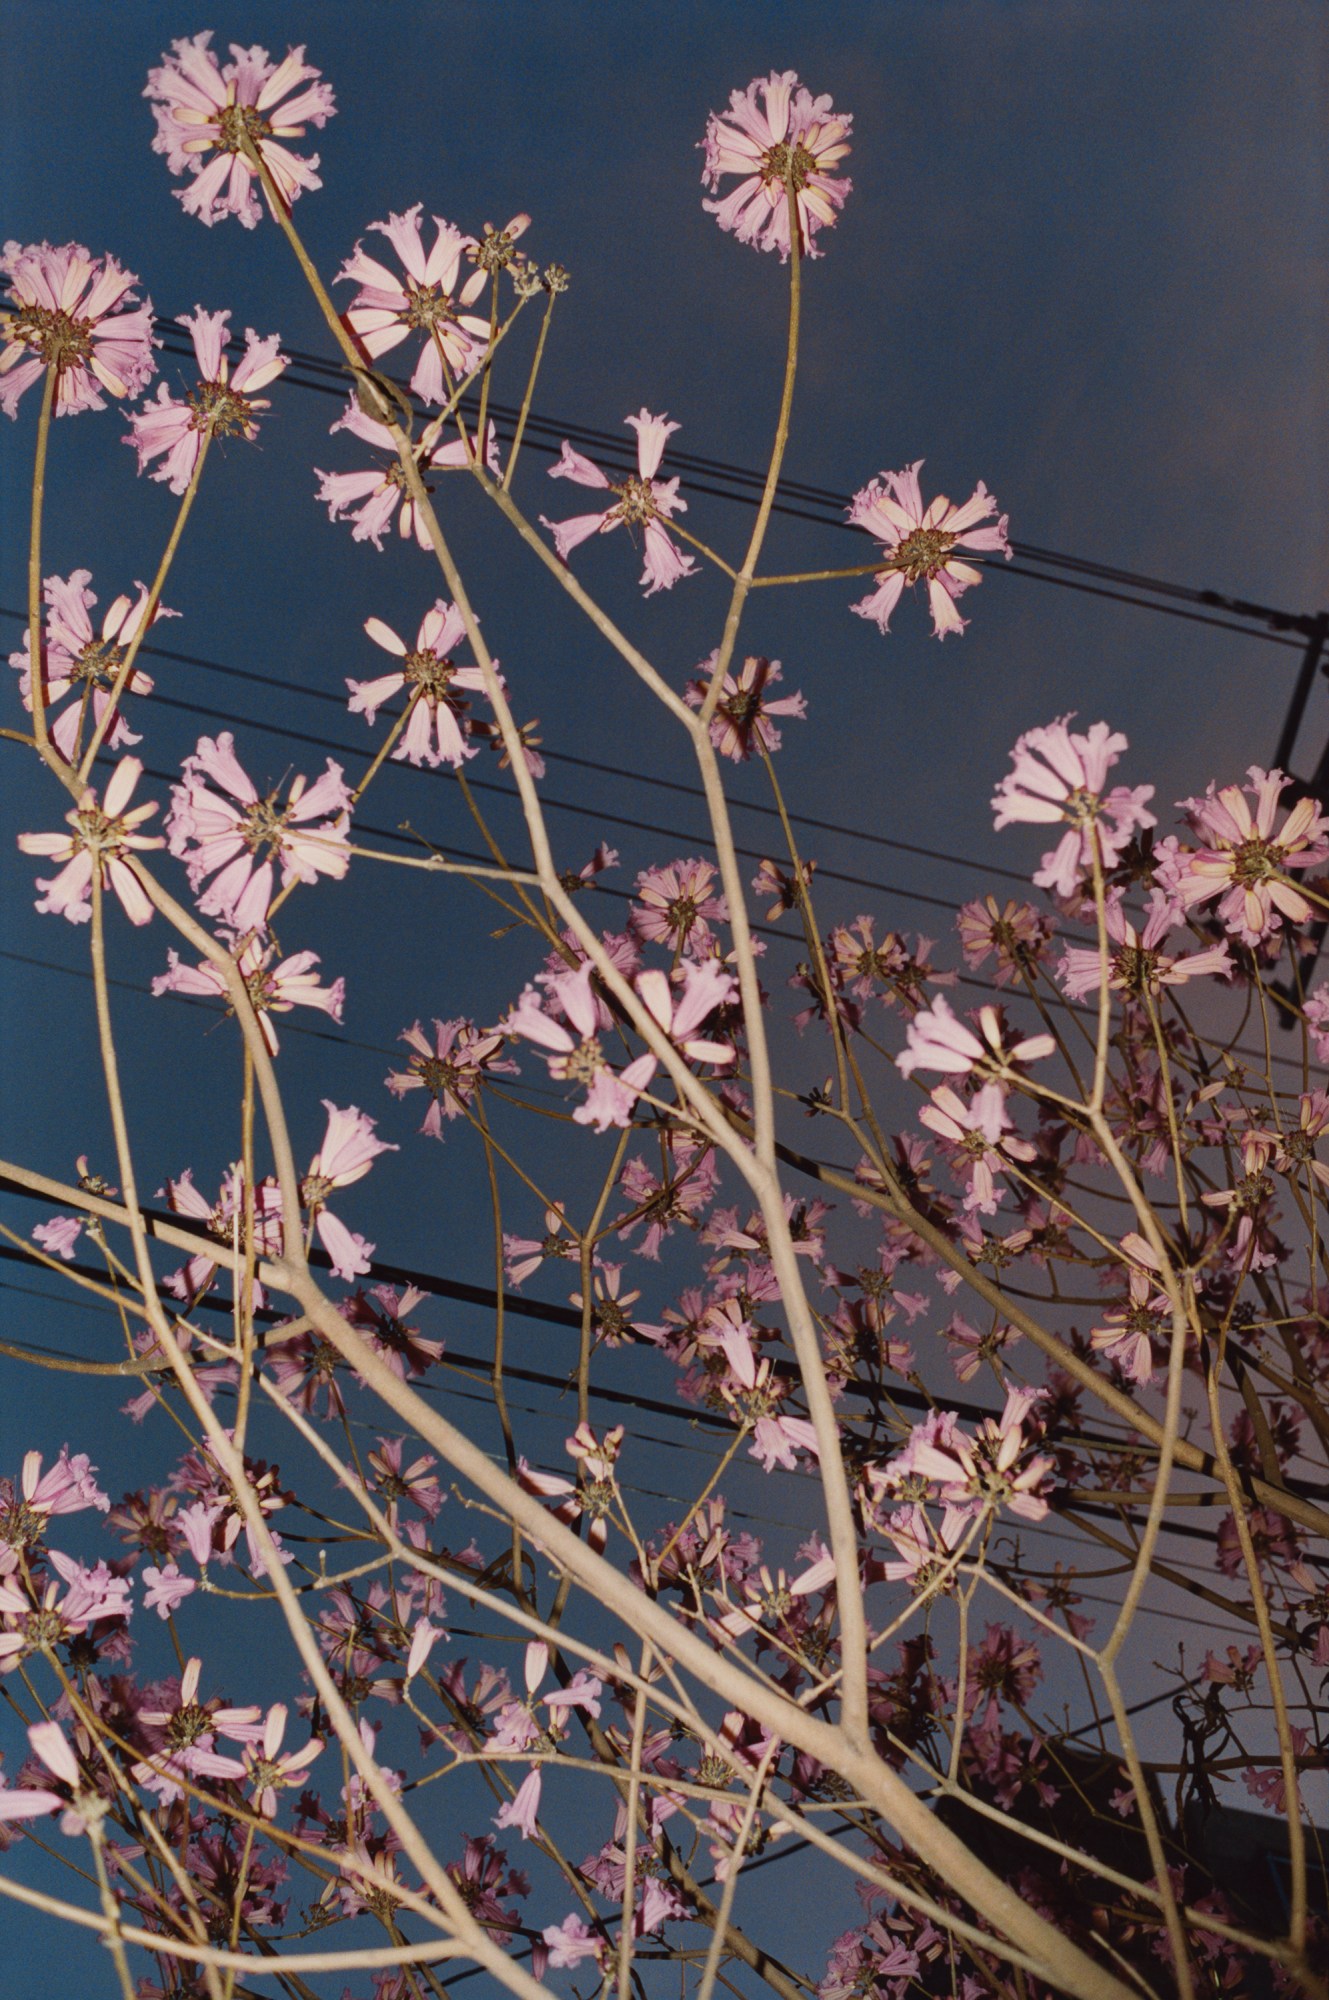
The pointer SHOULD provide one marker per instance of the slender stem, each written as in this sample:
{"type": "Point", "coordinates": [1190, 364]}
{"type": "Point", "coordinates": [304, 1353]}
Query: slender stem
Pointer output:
{"type": "Point", "coordinates": [525, 410]}
{"type": "Point", "coordinates": [37, 656]}
{"type": "Point", "coordinates": [126, 666]}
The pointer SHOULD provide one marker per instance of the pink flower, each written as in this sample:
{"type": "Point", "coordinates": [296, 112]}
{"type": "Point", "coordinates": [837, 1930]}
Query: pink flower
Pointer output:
{"type": "Point", "coordinates": [273, 989]}
{"type": "Point", "coordinates": [222, 404]}
{"type": "Point", "coordinates": [166, 1588]}
{"type": "Point", "coordinates": [642, 500]}
{"type": "Point", "coordinates": [1243, 860]}
{"type": "Point", "coordinates": [102, 837]}
{"type": "Point", "coordinates": [1018, 934]}
{"type": "Point", "coordinates": [450, 1069]}
{"type": "Point", "coordinates": [269, 1772]}
{"type": "Point", "coordinates": [1137, 967]}
{"type": "Point", "coordinates": [740, 725]}
{"type": "Point", "coordinates": [348, 1151]}
{"type": "Point", "coordinates": [520, 1811]}
{"type": "Point", "coordinates": [793, 140]}
{"type": "Point", "coordinates": [436, 730]}
{"type": "Point", "coordinates": [387, 309]}
{"type": "Point", "coordinates": [223, 832]}
{"type": "Point", "coordinates": [919, 545]}
{"type": "Point", "coordinates": [76, 662]}
{"type": "Point", "coordinates": [979, 1137]}
{"type": "Point", "coordinates": [1058, 775]}
{"type": "Point", "coordinates": [67, 1488]}
{"type": "Point", "coordinates": [936, 1040]}
{"type": "Point", "coordinates": [201, 107]}
{"type": "Point", "coordinates": [371, 498]}
{"type": "Point", "coordinates": [575, 1052]}
{"type": "Point", "coordinates": [59, 1236]}
{"type": "Point", "coordinates": [570, 1942]}
{"type": "Point", "coordinates": [63, 316]}
{"type": "Point", "coordinates": [674, 903]}
{"type": "Point", "coordinates": [220, 1219]}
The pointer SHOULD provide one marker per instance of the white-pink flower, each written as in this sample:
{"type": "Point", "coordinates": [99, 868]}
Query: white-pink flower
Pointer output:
{"type": "Point", "coordinates": [268, 1770]}
{"type": "Point", "coordinates": [348, 1151]}
{"type": "Point", "coordinates": [274, 988]}
{"type": "Point", "coordinates": [641, 500]}
{"type": "Point", "coordinates": [388, 309]}
{"type": "Point", "coordinates": [1057, 775]}
{"type": "Point", "coordinates": [75, 661]}
{"type": "Point", "coordinates": [101, 838]}
{"type": "Point", "coordinates": [220, 826]}
{"type": "Point", "coordinates": [435, 731]}
{"type": "Point", "coordinates": [1137, 966]}
{"type": "Point", "coordinates": [574, 1053]}
{"type": "Point", "coordinates": [1245, 857]}
{"type": "Point", "coordinates": [76, 314]}
{"type": "Point", "coordinates": [936, 1040]}
{"type": "Point", "coordinates": [202, 107]}
{"type": "Point", "coordinates": [220, 405]}
{"type": "Point", "coordinates": [792, 139]}
{"type": "Point", "coordinates": [919, 545]}
{"type": "Point", "coordinates": [371, 498]}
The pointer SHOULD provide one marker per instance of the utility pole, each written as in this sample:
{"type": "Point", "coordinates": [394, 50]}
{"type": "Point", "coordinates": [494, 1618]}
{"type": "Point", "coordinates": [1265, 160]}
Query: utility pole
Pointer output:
{"type": "Point", "coordinates": [1316, 632]}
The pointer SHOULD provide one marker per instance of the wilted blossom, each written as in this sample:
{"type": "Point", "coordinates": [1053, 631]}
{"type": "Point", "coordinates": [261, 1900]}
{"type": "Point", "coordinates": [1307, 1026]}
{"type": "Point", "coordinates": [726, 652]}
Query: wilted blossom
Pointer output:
{"type": "Point", "coordinates": [741, 722]}
{"type": "Point", "coordinates": [791, 141]}
{"type": "Point", "coordinates": [1136, 966]}
{"type": "Point", "coordinates": [62, 315]}
{"type": "Point", "coordinates": [1244, 861]}
{"type": "Point", "coordinates": [76, 662]}
{"type": "Point", "coordinates": [1058, 776]}
{"type": "Point", "coordinates": [371, 498]}
{"type": "Point", "coordinates": [642, 500]}
{"type": "Point", "coordinates": [388, 309]}
{"type": "Point", "coordinates": [202, 107]}
{"type": "Point", "coordinates": [435, 731]}
{"type": "Point", "coordinates": [936, 1040]}
{"type": "Point", "coordinates": [102, 836]}
{"type": "Point", "coordinates": [348, 1151]}
{"type": "Point", "coordinates": [220, 405]}
{"type": "Point", "coordinates": [220, 826]}
{"type": "Point", "coordinates": [450, 1068]}
{"type": "Point", "coordinates": [274, 985]}
{"type": "Point", "coordinates": [919, 545]}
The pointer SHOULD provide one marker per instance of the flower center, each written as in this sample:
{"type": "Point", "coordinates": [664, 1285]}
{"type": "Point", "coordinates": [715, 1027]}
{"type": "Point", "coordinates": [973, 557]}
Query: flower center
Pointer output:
{"type": "Point", "coordinates": [264, 824]}
{"type": "Point", "coordinates": [238, 122]}
{"type": "Point", "coordinates": [789, 166]}
{"type": "Point", "coordinates": [437, 1075]}
{"type": "Point", "coordinates": [426, 305]}
{"type": "Point", "coordinates": [187, 1725]}
{"type": "Point", "coordinates": [98, 663]}
{"type": "Point", "coordinates": [220, 410]}
{"type": "Point", "coordinates": [315, 1189]}
{"type": "Point", "coordinates": [1254, 861]}
{"type": "Point", "coordinates": [494, 252]}
{"type": "Point", "coordinates": [584, 1063]}
{"type": "Point", "coordinates": [922, 553]}
{"type": "Point", "coordinates": [62, 341]}
{"type": "Point", "coordinates": [431, 674]}
{"type": "Point", "coordinates": [637, 502]}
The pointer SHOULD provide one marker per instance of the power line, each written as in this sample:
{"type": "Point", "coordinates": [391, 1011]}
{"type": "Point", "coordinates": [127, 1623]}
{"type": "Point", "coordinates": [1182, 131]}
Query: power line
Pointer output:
{"type": "Point", "coordinates": [826, 508]}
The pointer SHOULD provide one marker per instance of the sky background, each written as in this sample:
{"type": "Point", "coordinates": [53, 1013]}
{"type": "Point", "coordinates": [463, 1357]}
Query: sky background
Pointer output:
{"type": "Point", "coordinates": [1084, 260]}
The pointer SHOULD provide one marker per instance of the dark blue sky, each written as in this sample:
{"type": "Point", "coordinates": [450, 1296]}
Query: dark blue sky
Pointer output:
{"type": "Point", "coordinates": [1084, 260]}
